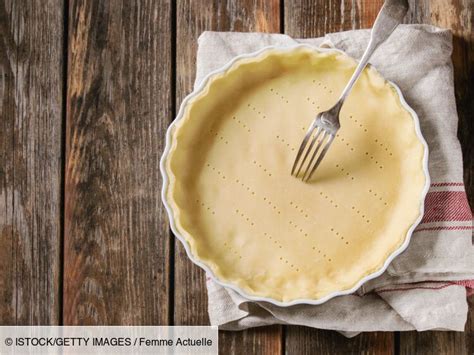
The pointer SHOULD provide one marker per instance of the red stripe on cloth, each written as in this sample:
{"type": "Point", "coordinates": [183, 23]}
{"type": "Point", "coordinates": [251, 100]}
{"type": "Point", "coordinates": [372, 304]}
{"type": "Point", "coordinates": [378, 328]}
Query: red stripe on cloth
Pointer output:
{"type": "Point", "coordinates": [468, 284]}
{"type": "Point", "coordinates": [415, 288]}
{"type": "Point", "coordinates": [447, 184]}
{"type": "Point", "coordinates": [442, 228]}
{"type": "Point", "coordinates": [465, 283]}
{"type": "Point", "coordinates": [446, 206]}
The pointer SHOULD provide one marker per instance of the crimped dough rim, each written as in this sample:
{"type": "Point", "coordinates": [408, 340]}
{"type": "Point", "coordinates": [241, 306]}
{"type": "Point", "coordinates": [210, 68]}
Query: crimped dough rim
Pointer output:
{"type": "Point", "coordinates": [169, 183]}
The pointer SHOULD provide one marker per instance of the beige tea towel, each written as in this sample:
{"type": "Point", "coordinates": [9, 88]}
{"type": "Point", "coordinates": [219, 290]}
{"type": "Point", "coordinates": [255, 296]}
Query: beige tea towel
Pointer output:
{"type": "Point", "coordinates": [425, 287]}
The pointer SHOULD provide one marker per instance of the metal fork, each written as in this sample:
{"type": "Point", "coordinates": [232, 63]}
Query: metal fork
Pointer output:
{"type": "Point", "coordinates": [323, 130]}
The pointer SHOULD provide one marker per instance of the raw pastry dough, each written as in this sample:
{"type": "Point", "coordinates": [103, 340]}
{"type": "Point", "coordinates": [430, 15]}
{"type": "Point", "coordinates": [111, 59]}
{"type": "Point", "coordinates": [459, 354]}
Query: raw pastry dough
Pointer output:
{"type": "Point", "coordinates": [256, 227]}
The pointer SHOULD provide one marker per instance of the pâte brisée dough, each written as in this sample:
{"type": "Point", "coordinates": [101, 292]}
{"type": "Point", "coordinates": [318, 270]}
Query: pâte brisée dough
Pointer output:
{"type": "Point", "coordinates": [257, 227]}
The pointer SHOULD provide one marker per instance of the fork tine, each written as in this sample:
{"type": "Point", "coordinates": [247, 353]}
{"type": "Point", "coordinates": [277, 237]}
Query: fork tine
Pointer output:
{"type": "Point", "coordinates": [313, 141]}
{"type": "Point", "coordinates": [315, 153]}
{"type": "Point", "coordinates": [320, 158]}
{"type": "Point", "coordinates": [302, 147]}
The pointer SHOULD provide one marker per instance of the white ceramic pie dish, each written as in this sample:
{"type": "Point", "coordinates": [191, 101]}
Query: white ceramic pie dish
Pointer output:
{"type": "Point", "coordinates": [203, 265]}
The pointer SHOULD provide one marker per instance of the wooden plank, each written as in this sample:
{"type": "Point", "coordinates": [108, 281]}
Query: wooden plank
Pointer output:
{"type": "Point", "coordinates": [306, 19]}
{"type": "Point", "coordinates": [194, 17]}
{"type": "Point", "coordinates": [302, 340]}
{"type": "Point", "coordinates": [116, 242]}
{"type": "Point", "coordinates": [261, 341]}
{"type": "Point", "coordinates": [31, 86]}
{"type": "Point", "coordinates": [457, 15]}
{"type": "Point", "coordinates": [309, 18]}
{"type": "Point", "coordinates": [470, 327]}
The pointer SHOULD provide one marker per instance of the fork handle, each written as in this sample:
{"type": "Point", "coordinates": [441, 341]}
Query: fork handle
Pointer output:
{"type": "Point", "coordinates": [389, 17]}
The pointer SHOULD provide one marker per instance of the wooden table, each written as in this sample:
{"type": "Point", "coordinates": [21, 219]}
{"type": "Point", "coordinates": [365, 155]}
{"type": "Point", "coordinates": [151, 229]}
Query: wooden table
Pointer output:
{"type": "Point", "coordinates": [87, 91]}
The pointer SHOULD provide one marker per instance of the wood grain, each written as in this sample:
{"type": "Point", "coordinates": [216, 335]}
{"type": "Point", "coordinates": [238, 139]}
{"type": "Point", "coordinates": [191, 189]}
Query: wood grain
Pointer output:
{"type": "Point", "coordinates": [30, 160]}
{"type": "Point", "coordinates": [261, 341]}
{"type": "Point", "coordinates": [302, 340]}
{"type": "Point", "coordinates": [470, 327]}
{"type": "Point", "coordinates": [315, 18]}
{"type": "Point", "coordinates": [194, 17]}
{"type": "Point", "coordinates": [306, 19]}
{"type": "Point", "coordinates": [116, 237]}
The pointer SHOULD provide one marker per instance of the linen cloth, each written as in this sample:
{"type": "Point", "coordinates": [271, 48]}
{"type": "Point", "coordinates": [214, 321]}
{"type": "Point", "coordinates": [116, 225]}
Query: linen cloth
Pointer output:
{"type": "Point", "coordinates": [425, 287]}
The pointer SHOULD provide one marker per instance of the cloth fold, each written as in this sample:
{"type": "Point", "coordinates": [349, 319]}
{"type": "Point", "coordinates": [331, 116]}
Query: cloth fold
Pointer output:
{"type": "Point", "coordinates": [425, 287]}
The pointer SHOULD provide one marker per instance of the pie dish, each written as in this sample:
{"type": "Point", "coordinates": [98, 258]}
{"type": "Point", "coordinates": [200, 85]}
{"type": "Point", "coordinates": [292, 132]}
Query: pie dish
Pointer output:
{"type": "Point", "coordinates": [265, 234]}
